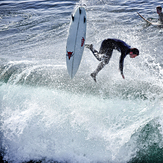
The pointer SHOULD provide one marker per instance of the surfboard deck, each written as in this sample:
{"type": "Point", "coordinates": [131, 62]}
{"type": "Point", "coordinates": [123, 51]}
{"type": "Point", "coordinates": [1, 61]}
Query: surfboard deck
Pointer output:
{"type": "Point", "coordinates": [76, 41]}
{"type": "Point", "coordinates": [151, 23]}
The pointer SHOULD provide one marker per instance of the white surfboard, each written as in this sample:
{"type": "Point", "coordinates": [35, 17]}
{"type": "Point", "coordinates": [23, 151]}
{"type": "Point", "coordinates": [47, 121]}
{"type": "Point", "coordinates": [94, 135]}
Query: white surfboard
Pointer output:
{"type": "Point", "coordinates": [76, 40]}
{"type": "Point", "coordinates": [152, 23]}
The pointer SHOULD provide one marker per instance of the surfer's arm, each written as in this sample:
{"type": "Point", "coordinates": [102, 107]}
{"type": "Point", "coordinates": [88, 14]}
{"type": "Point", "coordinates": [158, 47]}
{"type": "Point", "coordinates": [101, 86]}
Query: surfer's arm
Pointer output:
{"type": "Point", "coordinates": [161, 18]}
{"type": "Point", "coordinates": [121, 61]}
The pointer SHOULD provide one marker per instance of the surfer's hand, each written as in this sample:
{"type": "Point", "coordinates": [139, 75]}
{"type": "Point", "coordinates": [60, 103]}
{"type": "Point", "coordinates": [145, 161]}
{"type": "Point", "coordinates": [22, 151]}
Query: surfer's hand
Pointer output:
{"type": "Point", "coordinates": [123, 76]}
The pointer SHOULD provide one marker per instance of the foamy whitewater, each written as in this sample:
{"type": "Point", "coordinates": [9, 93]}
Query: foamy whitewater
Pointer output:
{"type": "Point", "coordinates": [47, 117]}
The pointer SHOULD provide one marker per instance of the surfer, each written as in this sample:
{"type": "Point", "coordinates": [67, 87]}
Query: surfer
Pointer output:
{"type": "Point", "coordinates": [159, 12]}
{"type": "Point", "coordinates": [106, 51]}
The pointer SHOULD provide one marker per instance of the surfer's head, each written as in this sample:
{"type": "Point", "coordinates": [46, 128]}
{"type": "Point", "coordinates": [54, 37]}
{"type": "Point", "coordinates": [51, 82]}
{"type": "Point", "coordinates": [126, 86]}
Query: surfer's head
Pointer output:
{"type": "Point", "coordinates": [159, 9]}
{"type": "Point", "coordinates": [134, 52]}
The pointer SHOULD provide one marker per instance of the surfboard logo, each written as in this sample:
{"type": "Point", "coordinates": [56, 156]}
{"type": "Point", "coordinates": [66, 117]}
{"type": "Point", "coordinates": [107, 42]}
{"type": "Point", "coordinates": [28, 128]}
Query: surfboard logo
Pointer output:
{"type": "Point", "coordinates": [82, 41]}
{"type": "Point", "coordinates": [69, 54]}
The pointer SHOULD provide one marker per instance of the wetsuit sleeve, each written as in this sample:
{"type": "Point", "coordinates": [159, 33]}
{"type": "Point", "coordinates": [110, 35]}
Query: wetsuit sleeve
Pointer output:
{"type": "Point", "coordinates": [121, 61]}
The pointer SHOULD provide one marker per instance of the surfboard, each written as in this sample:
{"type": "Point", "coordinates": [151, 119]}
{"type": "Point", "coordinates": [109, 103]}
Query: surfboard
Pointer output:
{"type": "Point", "coordinates": [76, 40]}
{"type": "Point", "coordinates": [151, 23]}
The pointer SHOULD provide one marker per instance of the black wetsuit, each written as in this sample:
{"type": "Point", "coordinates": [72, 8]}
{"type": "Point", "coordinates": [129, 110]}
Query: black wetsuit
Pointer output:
{"type": "Point", "coordinates": [107, 47]}
{"type": "Point", "coordinates": [161, 17]}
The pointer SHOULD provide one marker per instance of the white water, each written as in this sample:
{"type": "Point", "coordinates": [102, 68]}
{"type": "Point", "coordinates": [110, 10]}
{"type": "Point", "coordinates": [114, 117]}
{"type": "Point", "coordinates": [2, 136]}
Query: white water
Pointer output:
{"type": "Point", "coordinates": [46, 115]}
{"type": "Point", "coordinates": [59, 125]}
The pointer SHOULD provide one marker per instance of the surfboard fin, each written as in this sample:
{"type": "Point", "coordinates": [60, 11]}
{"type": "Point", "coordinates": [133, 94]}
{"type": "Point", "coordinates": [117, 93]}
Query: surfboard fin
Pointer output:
{"type": "Point", "coordinates": [84, 19]}
{"type": "Point", "coordinates": [72, 17]}
{"type": "Point", "coordinates": [79, 11]}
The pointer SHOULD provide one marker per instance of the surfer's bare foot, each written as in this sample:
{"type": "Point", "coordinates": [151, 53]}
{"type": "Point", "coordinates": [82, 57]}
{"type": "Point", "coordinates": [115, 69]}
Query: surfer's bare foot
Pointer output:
{"type": "Point", "coordinates": [89, 46]}
{"type": "Point", "coordinates": [93, 75]}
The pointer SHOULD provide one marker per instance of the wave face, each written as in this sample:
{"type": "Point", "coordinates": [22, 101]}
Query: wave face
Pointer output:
{"type": "Point", "coordinates": [47, 117]}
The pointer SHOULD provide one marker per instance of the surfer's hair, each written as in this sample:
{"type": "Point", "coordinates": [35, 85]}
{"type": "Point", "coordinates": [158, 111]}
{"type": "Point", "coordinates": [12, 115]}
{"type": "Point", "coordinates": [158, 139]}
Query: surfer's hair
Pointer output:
{"type": "Point", "coordinates": [135, 51]}
{"type": "Point", "coordinates": [159, 8]}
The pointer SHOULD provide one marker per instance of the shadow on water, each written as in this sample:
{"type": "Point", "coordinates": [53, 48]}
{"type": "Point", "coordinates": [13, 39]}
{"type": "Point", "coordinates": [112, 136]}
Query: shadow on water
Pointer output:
{"type": "Point", "coordinates": [148, 141]}
{"type": "Point", "coordinates": [32, 161]}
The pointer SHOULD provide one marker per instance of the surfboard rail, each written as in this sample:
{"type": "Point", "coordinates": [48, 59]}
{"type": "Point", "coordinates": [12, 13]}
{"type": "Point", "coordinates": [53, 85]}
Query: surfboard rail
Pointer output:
{"type": "Point", "coordinates": [76, 41]}
{"type": "Point", "coordinates": [151, 23]}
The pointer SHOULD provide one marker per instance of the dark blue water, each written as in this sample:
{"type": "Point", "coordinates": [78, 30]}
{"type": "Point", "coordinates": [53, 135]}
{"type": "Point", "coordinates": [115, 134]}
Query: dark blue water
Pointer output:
{"type": "Point", "coordinates": [47, 117]}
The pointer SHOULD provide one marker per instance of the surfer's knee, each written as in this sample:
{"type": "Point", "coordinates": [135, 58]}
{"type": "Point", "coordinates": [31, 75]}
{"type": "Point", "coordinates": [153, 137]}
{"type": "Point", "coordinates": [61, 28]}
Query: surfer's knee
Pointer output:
{"type": "Point", "coordinates": [97, 55]}
{"type": "Point", "coordinates": [105, 59]}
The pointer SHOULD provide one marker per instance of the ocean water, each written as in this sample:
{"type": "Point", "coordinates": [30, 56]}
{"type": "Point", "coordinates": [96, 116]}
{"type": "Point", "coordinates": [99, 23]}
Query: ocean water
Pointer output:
{"type": "Point", "coordinates": [47, 117]}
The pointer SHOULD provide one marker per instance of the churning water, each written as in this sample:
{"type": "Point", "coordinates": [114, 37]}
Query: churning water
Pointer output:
{"type": "Point", "coordinates": [45, 116]}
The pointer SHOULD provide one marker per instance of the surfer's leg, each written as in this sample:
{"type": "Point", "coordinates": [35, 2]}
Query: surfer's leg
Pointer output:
{"type": "Point", "coordinates": [94, 51]}
{"type": "Point", "coordinates": [105, 60]}
{"type": "Point", "coordinates": [99, 68]}
{"type": "Point", "coordinates": [104, 52]}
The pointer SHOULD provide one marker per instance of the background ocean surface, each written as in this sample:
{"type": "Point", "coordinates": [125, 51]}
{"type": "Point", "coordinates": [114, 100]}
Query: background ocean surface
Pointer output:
{"type": "Point", "coordinates": [47, 117]}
